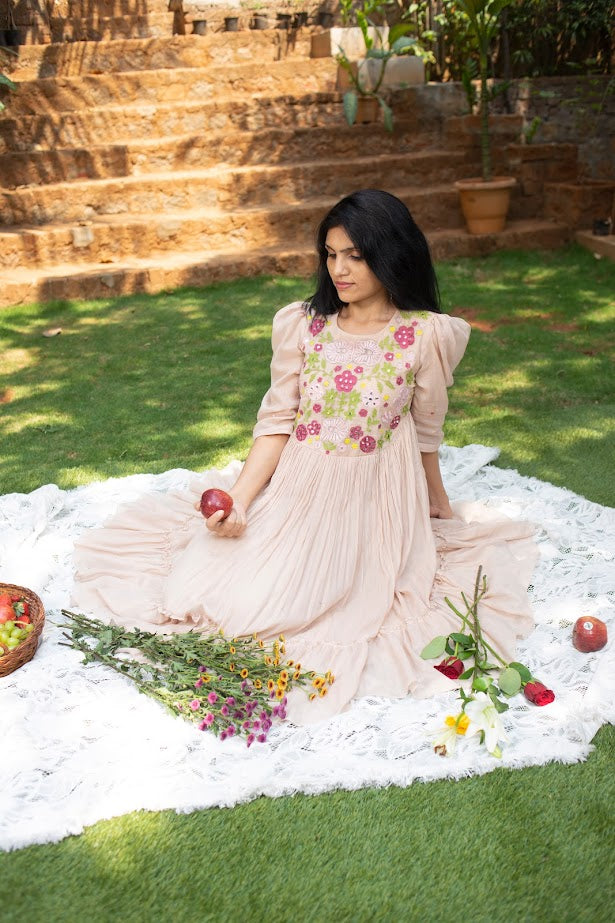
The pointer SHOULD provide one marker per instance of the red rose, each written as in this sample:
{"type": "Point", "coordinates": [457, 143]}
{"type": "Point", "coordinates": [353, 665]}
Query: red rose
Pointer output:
{"type": "Point", "coordinates": [538, 693]}
{"type": "Point", "coordinates": [451, 667]}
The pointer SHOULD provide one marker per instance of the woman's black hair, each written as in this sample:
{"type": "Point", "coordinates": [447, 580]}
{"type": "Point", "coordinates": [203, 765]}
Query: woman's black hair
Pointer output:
{"type": "Point", "coordinates": [393, 246]}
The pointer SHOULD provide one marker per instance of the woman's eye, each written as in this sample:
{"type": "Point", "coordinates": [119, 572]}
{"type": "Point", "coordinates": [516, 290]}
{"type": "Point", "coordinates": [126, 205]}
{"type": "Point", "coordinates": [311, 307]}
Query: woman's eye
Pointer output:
{"type": "Point", "coordinates": [358, 258]}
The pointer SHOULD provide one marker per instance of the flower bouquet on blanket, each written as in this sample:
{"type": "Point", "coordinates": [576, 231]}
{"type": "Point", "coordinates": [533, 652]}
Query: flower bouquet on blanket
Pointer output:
{"type": "Point", "coordinates": [469, 658]}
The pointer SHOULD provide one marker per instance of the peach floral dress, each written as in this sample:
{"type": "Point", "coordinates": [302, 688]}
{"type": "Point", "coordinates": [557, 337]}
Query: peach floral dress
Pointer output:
{"type": "Point", "coordinates": [340, 554]}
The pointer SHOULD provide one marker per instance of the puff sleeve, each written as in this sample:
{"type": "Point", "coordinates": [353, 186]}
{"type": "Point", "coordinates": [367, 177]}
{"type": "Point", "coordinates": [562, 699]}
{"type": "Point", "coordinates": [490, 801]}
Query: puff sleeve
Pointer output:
{"type": "Point", "coordinates": [279, 405]}
{"type": "Point", "coordinates": [443, 344]}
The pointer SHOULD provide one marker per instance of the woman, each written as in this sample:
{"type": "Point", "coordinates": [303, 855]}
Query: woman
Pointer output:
{"type": "Point", "coordinates": [341, 535]}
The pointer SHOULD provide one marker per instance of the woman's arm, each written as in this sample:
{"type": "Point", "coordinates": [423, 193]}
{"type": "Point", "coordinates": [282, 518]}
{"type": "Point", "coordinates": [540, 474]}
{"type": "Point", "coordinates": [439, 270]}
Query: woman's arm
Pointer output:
{"type": "Point", "coordinates": [260, 464]}
{"type": "Point", "coordinates": [439, 505]}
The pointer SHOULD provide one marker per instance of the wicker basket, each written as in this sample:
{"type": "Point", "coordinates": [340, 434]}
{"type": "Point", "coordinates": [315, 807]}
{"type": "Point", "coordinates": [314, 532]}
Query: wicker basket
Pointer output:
{"type": "Point", "coordinates": [27, 649]}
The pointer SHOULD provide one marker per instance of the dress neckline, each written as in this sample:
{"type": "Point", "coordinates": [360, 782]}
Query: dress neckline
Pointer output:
{"type": "Point", "coordinates": [366, 336]}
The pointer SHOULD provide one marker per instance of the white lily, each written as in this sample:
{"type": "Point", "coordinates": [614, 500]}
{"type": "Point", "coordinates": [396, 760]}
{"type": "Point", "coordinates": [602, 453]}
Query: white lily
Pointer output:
{"type": "Point", "coordinates": [484, 717]}
{"type": "Point", "coordinates": [446, 741]}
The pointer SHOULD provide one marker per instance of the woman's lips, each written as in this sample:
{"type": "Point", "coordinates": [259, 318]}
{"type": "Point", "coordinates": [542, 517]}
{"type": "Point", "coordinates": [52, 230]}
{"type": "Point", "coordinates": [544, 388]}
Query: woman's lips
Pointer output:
{"type": "Point", "coordinates": [343, 284]}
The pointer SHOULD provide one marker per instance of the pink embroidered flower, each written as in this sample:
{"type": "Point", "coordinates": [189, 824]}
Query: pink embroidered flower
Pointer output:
{"type": "Point", "coordinates": [337, 368]}
{"type": "Point", "coordinates": [363, 412]}
{"type": "Point", "coordinates": [356, 432]}
{"type": "Point", "coordinates": [359, 370]}
{"type": "Point", "coordinates": [367, 444]}
{"type": "Point", "coordinates": [399, 380]}
{"type": "Point", "coordinates": [415, 323]}
{"type": "Point", "coordinates": [301, 432]}
{"type": "Point", "coordinates": [395, 422]}
{"type": "Point", "coordinates": [317, 325]}
{"type": "Point", "coordinates": [404, 336]}
{"type": "Point", "coordinates": [389, 357]}
{"type": "Point", "coordinates": [317, 347]}
{"type": "Point", "coordinates": [313, 428]}
{"type": "Point", "coordinates": [317, 408]}
{"type": "Point", "coordinates": [345, 381]}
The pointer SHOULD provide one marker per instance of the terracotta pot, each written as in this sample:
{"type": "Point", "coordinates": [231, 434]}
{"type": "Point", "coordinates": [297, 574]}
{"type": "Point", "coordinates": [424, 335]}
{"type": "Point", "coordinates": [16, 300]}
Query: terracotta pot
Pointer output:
{"type": "Point", "coordinates": [368, 109]}
{"type": "Point", "coordinates": [485, 204]}
{"type": "Point", "coordinates": [199, 27]}
{"type": "Point", "coordinates": [231, 24]}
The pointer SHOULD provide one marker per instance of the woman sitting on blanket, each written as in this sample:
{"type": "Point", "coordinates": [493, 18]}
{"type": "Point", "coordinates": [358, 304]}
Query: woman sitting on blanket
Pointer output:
{"type": "Point", "coordinates": [342, 536]}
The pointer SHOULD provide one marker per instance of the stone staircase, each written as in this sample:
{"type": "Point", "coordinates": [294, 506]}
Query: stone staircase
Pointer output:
{"type": "Point", "coordinates": [146, 164]}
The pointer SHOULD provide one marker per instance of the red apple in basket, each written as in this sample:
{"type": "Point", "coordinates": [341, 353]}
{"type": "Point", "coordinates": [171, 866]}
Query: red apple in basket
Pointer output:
{"type": "Point", "coordinates": [589, 634]}
{"type": "Point", "coordinates": [215, 499]}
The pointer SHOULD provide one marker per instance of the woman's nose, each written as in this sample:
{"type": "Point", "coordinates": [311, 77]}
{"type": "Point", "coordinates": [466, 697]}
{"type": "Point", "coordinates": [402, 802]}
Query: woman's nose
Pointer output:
{"type": "Point", "coordinates": [341, 266]}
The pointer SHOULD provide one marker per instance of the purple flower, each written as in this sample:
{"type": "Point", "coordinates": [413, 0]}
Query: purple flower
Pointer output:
{"type": "Point", "coordinates": [250, 740]}
{"type": "Point", "coordinates": [212, 697]}
{"type": "Point", "coordinates": [230, 700]}
{"type": "Point", "coordinates": [195, 704]}
{"type": "Point", "coordinates": [282, 714]}
{"type": "Point", "coordinates": [203, 725]}
{"type": "Point", "coordinates": [230, 730]}
{"type": "Point", "coordinates": [208, 720]}
{"type": "Point", "coordinates": [223, 735]}
{"type": "Point", "coordinates": [224, 710]}
{"type": "Point", "coordinates": [276, 710]}
{"type": "Point", "coordinates": [262, 738]}
{"type": "Point", "coordinates": [256, 725]}
{"type": "Point", "coordinates": [238, 713]}
{"type": "Point", "coordinates": [246, 725]}
{"type": "Point", "coordinates": [202, 669]}
{"type": "Point", "coordinates": [198, 684]}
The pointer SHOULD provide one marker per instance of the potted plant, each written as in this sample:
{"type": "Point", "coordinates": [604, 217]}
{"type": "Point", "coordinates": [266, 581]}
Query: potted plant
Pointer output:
{"type": "Point", "coordinates": [484, 200]}
{"type": "Point", "coordinates": [362, 100]}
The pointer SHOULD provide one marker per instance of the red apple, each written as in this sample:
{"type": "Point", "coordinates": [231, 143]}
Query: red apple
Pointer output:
{"type": "Point", "coordinates": [215, 499]}
{"type": "Point", "coordinates": [589, 634]}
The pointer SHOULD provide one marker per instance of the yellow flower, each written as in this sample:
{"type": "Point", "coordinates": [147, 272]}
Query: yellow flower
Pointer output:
{"type": "Point", "coordinates": [268, 660]}
{"type": "Point", "coordinates": [318, 682]}
{"type": "Point", "coordinates": [270, 684]}
{"type": "Point", "coordinates": [205, 677]}
{"type": "Point", "coordinates": [461, 722]}
{"type": "Point", "coordinates": [258, 684]}
{"type": "Point", "coordinates": [289, 663]}
{"type": "Point", "coordinates": [276, 662]}
{"type": "Point", "coordinates": [243, 673]}
{"type": "Point", "coordinates": [330, 677]}
{"type": "Point", "coordinates": [279, 693]}
{"type": "Point", "coordinates": [232, 649]}
{"type": "Point", "coordinates": [261, 644]}
{"type": "Point", "coordinates": [231, 667]}
{"type": "Point", "coordinates": [297, 674]}
{"type": "Point", "coordinates": [322, 692]}
{"type": "Point", "coordinates": [312, 696]}
{"type": "Point", "coordinates": [284, 676]}
{"type": "Point", "coordinates": [297, 666]}
{"type": "Point", "coordinates": [283, 649]}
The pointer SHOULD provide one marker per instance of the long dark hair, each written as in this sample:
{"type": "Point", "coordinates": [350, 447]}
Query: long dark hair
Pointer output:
{"type": "Point", "coordinates": [393, 246]}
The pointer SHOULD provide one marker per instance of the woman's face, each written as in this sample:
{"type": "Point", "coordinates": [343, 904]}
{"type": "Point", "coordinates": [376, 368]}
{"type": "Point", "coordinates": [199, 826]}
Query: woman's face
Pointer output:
{"type": "Point", "coordinates": [352, 277]}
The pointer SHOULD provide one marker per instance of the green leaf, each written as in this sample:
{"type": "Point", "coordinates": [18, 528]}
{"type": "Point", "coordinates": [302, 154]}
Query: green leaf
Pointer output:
{"type": "Point", "coordinates": [524, 673]}
{"type": "Point", "coordinates": [403, 45]}
{"type": "Point", "coordinates": [467, 674]}
{"type": "Point", "coordinates": [7, 82]}
{"type": "Point", "coordinates": [399, 29]}
{"type": "Point", "coordinates": [434, 649]}
{"type": "Point", "coordinates": [466, 655]}
{"type": "Point", "coordinates": [481, 683]}
{"type": "Point", "coordinates": [351, 103]}
{"type": "Point", "coordinates": [510, 681]}
{"type": "Point", "coordinates": [485, 666]}
{"type": "Point", "coordinates": [464, 640]}
{"type": "Point", "coordinates": [388, 115]}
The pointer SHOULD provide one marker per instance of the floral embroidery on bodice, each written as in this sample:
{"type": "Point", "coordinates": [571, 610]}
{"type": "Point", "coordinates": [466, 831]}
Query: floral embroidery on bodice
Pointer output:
{"type": "Point", "coordinates": [354, 390]}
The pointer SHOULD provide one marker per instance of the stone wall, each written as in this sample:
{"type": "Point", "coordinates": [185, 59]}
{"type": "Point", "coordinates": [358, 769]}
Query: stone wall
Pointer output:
{"type": "Point", "coordinates": [571, 110]}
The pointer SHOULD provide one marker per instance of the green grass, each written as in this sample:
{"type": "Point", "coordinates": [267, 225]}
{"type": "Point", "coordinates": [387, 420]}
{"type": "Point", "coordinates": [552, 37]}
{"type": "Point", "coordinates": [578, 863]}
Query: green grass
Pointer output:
{"type": "Point", "coordinates": [150, 383]}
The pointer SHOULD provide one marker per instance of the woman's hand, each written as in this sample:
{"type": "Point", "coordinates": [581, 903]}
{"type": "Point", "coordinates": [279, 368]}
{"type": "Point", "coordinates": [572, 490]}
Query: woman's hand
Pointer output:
{"type": "Point", "coordinates": [231, 527]}
{"type": "Point", "coordinates": [441, 511]}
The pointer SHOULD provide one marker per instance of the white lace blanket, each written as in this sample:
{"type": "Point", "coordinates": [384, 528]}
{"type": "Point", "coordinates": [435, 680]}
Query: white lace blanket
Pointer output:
{"type": "Point", "coordinates": [85, 745]}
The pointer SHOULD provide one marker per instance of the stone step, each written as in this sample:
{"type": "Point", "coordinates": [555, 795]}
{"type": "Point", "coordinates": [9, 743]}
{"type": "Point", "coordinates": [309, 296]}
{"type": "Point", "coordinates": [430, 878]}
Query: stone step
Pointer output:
{"type": "Point", "coordinates": [224, 48]}
{"type": "Point", "coordinates": [123, 123]}
{"type": "Point", "coordinates": [98, 28]}
{"type": "Point", "coordinates": [111, 237]}
{"type": "Point", "coordinates": [275, 146]}
{"type": "Point", "coordinates": [186, 268]}
{"type": "Point", "coordinates": [70, 94]}
{"type": "Point", "coordinates": [223, 188]}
